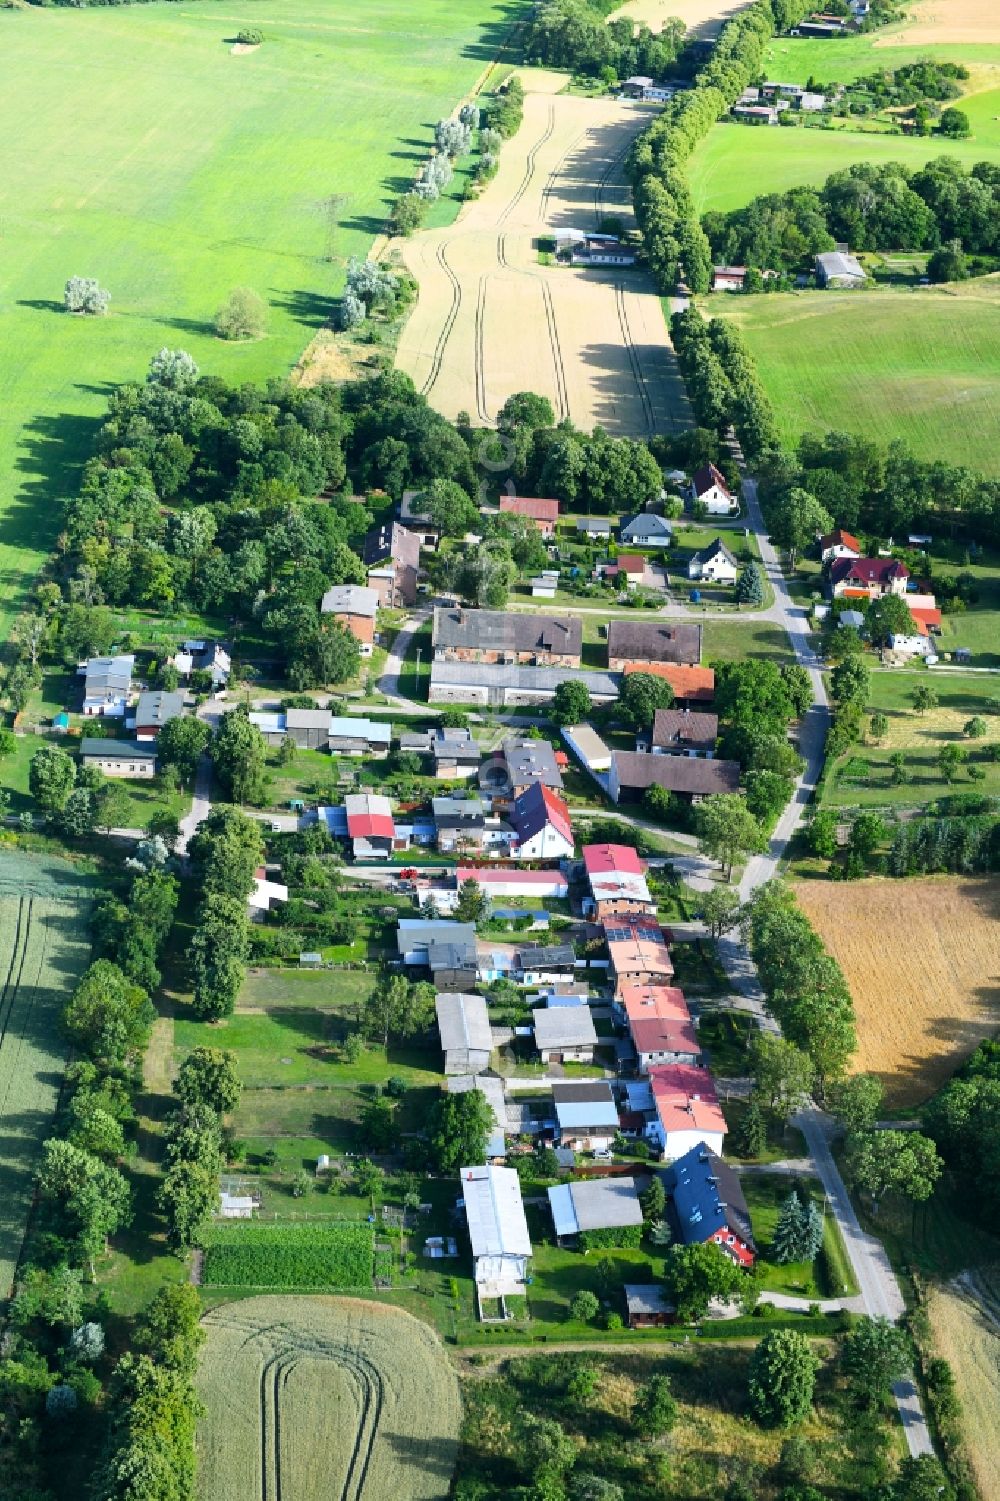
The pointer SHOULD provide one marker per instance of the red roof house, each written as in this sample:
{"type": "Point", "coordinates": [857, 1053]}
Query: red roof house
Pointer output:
{"type": "Point", "coordinates": [869, 576]}
{"type": "Point", "coordinates": [687, 1110]}
{"type": "Point", "coordinates": [541, 821]}
{"type": "Point", "coordinates": [600, 859]}
{"type": "Point", "coordinates": [544, 513]}
{"type": "Point", "coordinates": [839, 544]}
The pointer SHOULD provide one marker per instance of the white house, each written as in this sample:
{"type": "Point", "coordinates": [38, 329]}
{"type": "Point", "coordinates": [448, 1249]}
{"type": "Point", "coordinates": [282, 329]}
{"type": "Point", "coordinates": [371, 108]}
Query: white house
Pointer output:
{"type": "Point", "coordinates": [498, 1230]}
{"type": "Point", "coordinates": [541, 822]}
{"type": "Point", "coordinates": [709, 487]}
{"type": "Point", "coordinates": [838, 544]}
{"type": "Point", "coordinates": [913, 646]}
{"type": "Point", "coordinates": [687, 1111]}
{"type": "Point", "coordinates": [646, 529]}
{"type": "Point", "coordinates": [107, 685]}
{"type": "Point", "coordinates": [714, 564]}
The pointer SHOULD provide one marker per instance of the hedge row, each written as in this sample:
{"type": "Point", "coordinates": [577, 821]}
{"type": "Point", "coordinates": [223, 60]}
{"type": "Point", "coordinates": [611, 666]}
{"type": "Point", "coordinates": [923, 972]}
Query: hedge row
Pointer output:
{"type": "Point", "coordinates": [722, 381]}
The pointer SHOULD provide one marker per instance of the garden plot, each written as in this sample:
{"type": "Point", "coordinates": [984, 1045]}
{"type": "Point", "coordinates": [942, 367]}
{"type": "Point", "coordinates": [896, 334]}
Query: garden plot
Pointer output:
{"type": "Point", "coordinates": [324, 1399]}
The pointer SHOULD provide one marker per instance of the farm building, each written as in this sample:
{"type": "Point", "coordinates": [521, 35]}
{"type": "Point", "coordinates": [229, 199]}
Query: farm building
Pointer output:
{"type": "Point", "coordinates": [640, 87]}
{"type": "Point", "coordinates": [688, 777]}
{"type": "Point", "coordinates": [107, 684]}
{"type": "Point", "coordinates": [309, 728]}
{"type": "Point", "coordinates": [541, 822]}
{"type": "Point", "coordinates": [646, 529]}
{"type": "Point", "coordinates": [498, 1230]}
{"type": "Point", "coordinates": [355, 608]}
{"type": "Point", "coordinates": [617, 880]}
{"type": "Point", "coordinates": [564, 1034]}
{"type": "Point", "coordinates": [447, 948]}
{"type": "Point", "coordinates": [687, 1111]}
{"type": "Point", "coordinates": [755, 114]}
{"type": "Point", "coordinates": [350, 736]}
{"type": "Point", "coordinates": [586, 1113]}
{"type": "Point", "coordinates": [392, 557]}
{"type": "Point", "coordinates": [466, 1039]}
{"type": "Point", "coordinates": [648, 1306]}
{"type": "Point", "coordinates": [638, 952]}
{"type": "Point", "coordinates": [729, 278]}
{"type": "Point", "coordinates": [709, 487]}
{"type": "Point", "coordinates": [588, 747]}
{"type": "Point", "coordinates": [544, 513]}
{"type": "Point", "coordinates": [507, 686]}
{"type": "Point", "coordinates": [714, 564]}
{"type": "Point", "coordinates": [119, 758]}
{"type": "Point", "coordinates": [593, 1204]}
{"type": "Point", "coordinates": [838, 544]}
{"type": "Point", "coordinates": [369, 825]}
{"type": "Point", "coordinates": [582, 248]}
{"type": "Point", "coordinates": [835, 268]}
{"type": "Point", "coordinates": [509, 637]}
{"type": "Point", "coordinates": [516, 883]}
{"type": "Point", "coordinates": [707, 1203]}
{"type": "Point", "coordinates": [693, 686]}
{"type": "Point", "coordinates": [154, 709]}
{"type": "Point", "coordinates": [867, 578]}
{"type": "Point", "coordinates": [679, 732]}
{"type": "Point", "coordinates": [637, 641]}
{"type": "Point", "coordinates": [492, 1087]}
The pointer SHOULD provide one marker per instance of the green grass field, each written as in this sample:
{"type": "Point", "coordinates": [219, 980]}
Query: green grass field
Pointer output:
{"type": "Point", "coordinates": [797, 59]}
{"type": "Point", "coordinates": [931, 363]}
{"type": "Point", "coordinates": [44, 947]}
{"type": "Point", "coordinates": [134, 147]}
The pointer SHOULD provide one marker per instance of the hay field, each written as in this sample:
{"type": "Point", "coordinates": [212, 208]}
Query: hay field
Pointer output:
{"type": "Point", "coordinates": [965, 1320]}
{"type": "Point", "coordinates": [324, 1399]}
{"type": "Point", "coordinates": [931, 355]}
{"type": "Point", "coordinates": [922, 959]}
{"type": "Point", "coordinates": [706, 17]}
{"type": "Point", "coordinates": [44, 947]}
{"type": "Point", "coordinates": [931, 22]}
{"type": "Point", "coordinates": [490, 320]}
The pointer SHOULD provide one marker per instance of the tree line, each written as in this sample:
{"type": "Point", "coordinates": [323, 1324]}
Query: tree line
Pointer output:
{"type": "Point", "coordinates": [675, 242]}
{"type": "Point", "coordinates": [576, 34]}
{"type": "Point", "coordinates": [721, 380]}
{"type": "Point", "coordinates": [870, 206]}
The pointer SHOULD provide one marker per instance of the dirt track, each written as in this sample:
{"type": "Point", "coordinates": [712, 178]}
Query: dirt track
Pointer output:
{"type": "Point", "coordinates": [491, 320]}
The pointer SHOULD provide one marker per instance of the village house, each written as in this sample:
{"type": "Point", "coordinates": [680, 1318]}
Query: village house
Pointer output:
{"type": "Point", "coordinates": [204, 656]}
{"type": "Point", "coordinates": [524, 884]}
{"type": "Point", "coordinates": [582, 248]}
{"type": "Point", "coordinates": [459, 823]}
{"type": "Point", "coordinates": [587, 1204]}
{"type": "Point", "coordinates": [708, 486]}
{"type": "Point", "coordinates": [640, 87]}
{"type": "Point", "coordinates": [446, 948]}
{"type": "Point", "coordinates": [714, 564]}
{"type": "Point", "coordinates": [107, 685]}
{"type": "Point", "coordinates": [687, 1111]}
{"type": "Point", "coordinates": [836, 268]}
{"type": "Point", "coordinates": [564, 1034]}
{"type": "Point", "coordinates": [544, 513]}
{"type": "Point", "coordinates": [586, 1114]}
{"type": "Point", "coordinates": [119, 758]}
{"type": "Point", "coordinates": [466, 1038]}
{"type": "Point", "coordinates": [617, 880]}
{"type": "Point", "coordinates": [492, 1087]}
{"type": "Point", "coordinates": [632, 567]}
{"type": "Point", "coordinates": [453, 753]}
{"type": "Point", "coordinates": [646, 529]}
{"type": "Point", "coordinates": [838, 544]}
{"type": "Point", "coordinates": [515, 767]}
{"type": "Point", "coordinates": [588, 747]}
{"type": "Point", "coordinates": [155, 708]}
{"type": "Point", "coordinates": [729, 278]}
{"type": "Point", "coordinates": [355, 608]}
{"type": "Point", "coordinates": [541, 822]}
{"type": "Point", "coordinates": [391, 555]}
{"type": "Point", "coordinates": [638, 953]}
{"type": "Point", "coordinates": [652, 641]}
{"type": "Point", "coordinates": [369, 825]}
{"type": "Point", "coordinates": [687, 777]}
{"type": "Point", "coordinates": [510, 637]}
{"type": "Point", "coordinates": [694, 687]}
{"type": "Point", "coordinates": [498, 1231]}
{"type": "Point", "coordinates": [707, 1203]}
{"type": "Point", "coordinates": [594, 526]}
{"type": "Point", "coordinates": [868, 578]}
{"type": "Point", "coordinates": [417, 520]}
{"type": "Point", "coordinates": [755, 114]}
{"type": "Point", "coordinates": [679, 732]}
{"type": "Point", "coordinates": [350, 735]}
{"type": "Point", "coordinates": [659, 1025]}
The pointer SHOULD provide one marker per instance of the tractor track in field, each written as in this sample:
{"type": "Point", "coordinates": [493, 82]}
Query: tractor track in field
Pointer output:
{"type": "Point", "coordinates": [480, 352]}
{"type": "Point", "coordinates": [529, 166]}
{"type": "Point", "coordinates": [9, 992]}
{"type": "Point", "coordinates": [447, 325]}
{"type": "Point", "coordinates": [562, 394]}
{"type": "Point", "coordinates": [633, 358]}
{"type": "Point", "coordinates": [604, 182]}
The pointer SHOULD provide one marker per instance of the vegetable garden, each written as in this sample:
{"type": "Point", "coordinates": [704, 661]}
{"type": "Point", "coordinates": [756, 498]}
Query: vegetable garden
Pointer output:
{"type": "Point", "coordinates": [320, 1255]}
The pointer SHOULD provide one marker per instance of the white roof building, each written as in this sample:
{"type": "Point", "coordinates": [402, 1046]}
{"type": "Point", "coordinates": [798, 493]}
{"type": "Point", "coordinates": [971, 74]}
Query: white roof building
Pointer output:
{"type": "Point", "coordinates": [498, 1229]}
{"type": "Point", "coordinates": [594, 1204]}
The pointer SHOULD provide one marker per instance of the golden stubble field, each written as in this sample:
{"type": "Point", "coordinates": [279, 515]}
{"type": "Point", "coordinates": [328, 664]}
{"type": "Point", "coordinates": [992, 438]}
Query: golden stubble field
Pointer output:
{"type": "Point", "coordinates": [490, 320]}
{"type": "Point", "coordinates": [324, 1399]}
{"type": "Point", "coordinates": [922, 959]}
{"type": "Point", "coordinates": [965, 1321]}
{"type": "Point", "coordinates": [706, 17]}
{"type": "Point", "coordinates": [947, 21]}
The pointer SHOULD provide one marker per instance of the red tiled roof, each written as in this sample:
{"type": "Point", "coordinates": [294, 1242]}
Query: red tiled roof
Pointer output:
{"type": "Point", "coordinates": [708, 476]}
{"type": "Point", "coordinates": [558, 813]}
{"type": "Point", "coordinates": [527, 505]}
{"type": "Point", "coordinates": [925, 616]}
{"type": "Point", "coordinates": [600, 858]}
{"type": "Point", "coordinates": [664, 1034]}
{"type": "Point", "coordinates": [687, 682]}
{"type": "Point", "coordinates": [839, 538]}
{"type": "Point", "coordinates": [868, 570]}
{"type": "Point", "coordinates": [371, 826]}
{"type": "Point", "coordinates": [685, 1098]}
{"type": "Point", "coordinates": [631, 562]}
{"type": "Point", "coordinates": [641, 1001]}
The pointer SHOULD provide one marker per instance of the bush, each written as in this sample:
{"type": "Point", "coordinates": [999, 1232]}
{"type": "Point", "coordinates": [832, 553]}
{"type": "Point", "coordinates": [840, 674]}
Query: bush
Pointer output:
{"type": "Point", "coordinates": [242, 316]}
{"type": "Point", "coordinates": [250, 36]}
{"type": "Point", "coordinates": [584, 1307]}
{"type": "Point", "coordinates": [85, 295]}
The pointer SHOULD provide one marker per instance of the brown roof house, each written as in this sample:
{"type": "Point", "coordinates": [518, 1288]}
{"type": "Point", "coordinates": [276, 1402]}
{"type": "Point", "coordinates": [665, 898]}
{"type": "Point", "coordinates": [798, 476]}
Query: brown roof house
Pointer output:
{"type": "Point", "coordinates": [392, 557]}
{"type": "Point", "coordinates": [462, 635]}
{"type": "Point", "coordinates": [678, 732]}
{"type": "Point", "coordinates": [688, 777]}
{"type": "Point", "coordinates": [544, 513]}
{"type": "Point", "coordinates": [652, 641]}
{"type": "Point", "coordinates": [708, 486]}
{"type": "Point", "coordinates": [355, 607]}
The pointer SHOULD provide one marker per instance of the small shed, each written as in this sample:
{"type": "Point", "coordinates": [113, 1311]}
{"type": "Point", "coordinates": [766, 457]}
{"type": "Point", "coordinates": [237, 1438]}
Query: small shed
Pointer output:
{"type": "Point", "coordinates": [648, 1306]}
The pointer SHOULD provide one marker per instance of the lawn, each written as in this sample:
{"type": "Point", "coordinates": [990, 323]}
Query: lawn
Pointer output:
{"type": "Point", "coordinates": [735, 163]}
{"type": "Point", "coordinates": [797, 59]}
{"type": "Point", "coordinates": [731, 641]}
{"type": "Point", "coordinates": [765, 1194]}
{"type": "Point", "coordinates": [931, 355]}
{"type": "Point", "coordinates": [172, 171]}
{"type": "Point", "coordinates": [863, 776]}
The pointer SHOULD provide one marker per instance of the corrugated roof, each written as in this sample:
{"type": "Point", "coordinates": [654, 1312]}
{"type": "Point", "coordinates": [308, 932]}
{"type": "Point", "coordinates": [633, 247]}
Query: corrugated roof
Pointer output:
{"type": "Point", "coordinates": [685, 1098]}
{"type": "Point", "coordinates": [495, 1212]}
{"type": "Point", "coordinates": [350, 599]}
{"type": "Point", "coordinates": [347, 727]}
{"type": "Point", "coordinates": [529, 679]}
{"type": "Point", "coordinates": [563, 1026]}
{"type": "Point", "coordinates": [594, 1204]}
{"type": "Point", "coordinates": [158, 707]}
{"type": "Point", "coordinates": [457, 628]}
{"type": "Point", "coordinates": [369, 816]}
{"type": "Point", "coordinates": [463, 1022]}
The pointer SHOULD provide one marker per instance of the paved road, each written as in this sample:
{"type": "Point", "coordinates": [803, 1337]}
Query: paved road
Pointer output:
{"type": "Point", "coordinates": [388, 683]}
{"type": "Point", "coordinates": [200, 804]}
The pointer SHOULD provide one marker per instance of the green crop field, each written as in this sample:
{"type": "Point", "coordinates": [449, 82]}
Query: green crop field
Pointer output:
{"type": "Point", "coordinates": [43, 948]}
{"type": "Point", "coordinates": [920, 365]}
{"type": "Point", "coordinates": [797, 59]}
{"type": "Point", "coordinates": [316, 1398]}
{"type": "Point", "coordinates": [257, 1254]}
{"type": "Point", "coordinates": [136, 148]}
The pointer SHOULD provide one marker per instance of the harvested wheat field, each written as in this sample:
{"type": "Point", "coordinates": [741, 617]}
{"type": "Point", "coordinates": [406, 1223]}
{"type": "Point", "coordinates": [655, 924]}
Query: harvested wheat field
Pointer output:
{"type": "Point", "coordinates": [491, 320]}
{"type": "Point", "coordinates": [922, 959]}
{"type": "Point", "coordinates": [706, 17]}
{"type": "Point", "coordinates": [965, 1320]}
{"type": "Point", "coordinates": [943, 21]}
{"type": "Point", "coordinates": [324, 1399]}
